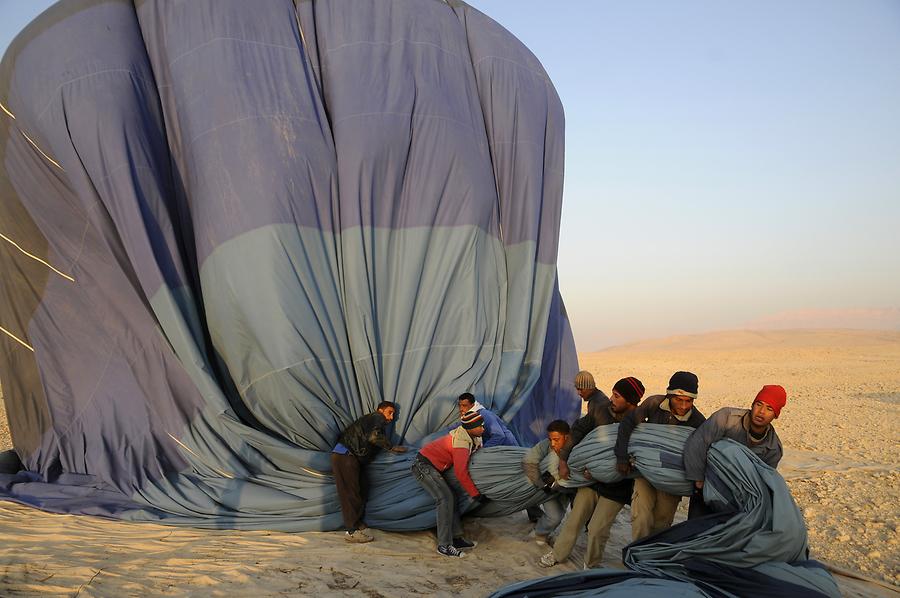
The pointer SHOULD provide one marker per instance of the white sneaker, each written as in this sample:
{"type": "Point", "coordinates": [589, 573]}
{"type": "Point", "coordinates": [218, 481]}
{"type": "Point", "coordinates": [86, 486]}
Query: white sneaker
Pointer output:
{"type": "Point", "coordinates": [548, 560]}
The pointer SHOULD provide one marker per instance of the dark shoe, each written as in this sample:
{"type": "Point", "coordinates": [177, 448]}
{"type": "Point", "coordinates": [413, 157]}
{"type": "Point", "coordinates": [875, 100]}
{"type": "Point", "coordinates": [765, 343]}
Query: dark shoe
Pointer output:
{"type": "Point", "coordinates": [450, 550]}
{"type": "Point", "coordinates": [461, 543]}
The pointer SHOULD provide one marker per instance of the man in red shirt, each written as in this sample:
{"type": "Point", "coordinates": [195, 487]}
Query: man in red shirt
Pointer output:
{"type": "Point", "coordinates": [450, 450]}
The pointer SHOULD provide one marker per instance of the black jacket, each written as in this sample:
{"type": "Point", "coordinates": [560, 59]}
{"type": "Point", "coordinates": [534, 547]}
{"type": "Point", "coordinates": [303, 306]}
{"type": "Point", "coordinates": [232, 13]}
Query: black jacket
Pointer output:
{"type": "Point", "coordinates": [365, 436]}
{"type": "Point", "coordinates": [599, 413]}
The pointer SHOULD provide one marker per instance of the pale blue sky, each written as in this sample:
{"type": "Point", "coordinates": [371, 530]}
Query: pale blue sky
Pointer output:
{"type": "Point", "coordinates": [725, 161]}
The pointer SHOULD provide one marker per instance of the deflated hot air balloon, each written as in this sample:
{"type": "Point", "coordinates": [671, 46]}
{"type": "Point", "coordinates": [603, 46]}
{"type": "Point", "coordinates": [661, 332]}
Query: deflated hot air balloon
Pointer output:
{"type": "Point", "coordinates": [229, 229]}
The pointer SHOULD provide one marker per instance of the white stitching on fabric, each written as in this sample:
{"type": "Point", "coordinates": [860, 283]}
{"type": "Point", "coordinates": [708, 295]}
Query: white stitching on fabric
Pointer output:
{"type": "Point", "coordinates": [64, 83]}
{"type": "Point", "coordinates": [391, 43]}
{"type": "Point", "coordinates": [514, 63]}
{"type": "Point", "coordinates": [246, 118]}
{"type": "Point", "coordinates": [228, 39]}
{"type": "Point", "coordinates": [243, 391]}
{"type": "Point", "coordinates": [405, 115]}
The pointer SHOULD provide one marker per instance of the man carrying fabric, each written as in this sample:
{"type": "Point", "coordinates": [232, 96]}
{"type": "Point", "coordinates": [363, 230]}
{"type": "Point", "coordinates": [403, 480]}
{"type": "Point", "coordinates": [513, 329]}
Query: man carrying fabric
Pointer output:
{"type": "Point", "coordinates": [450, 450]}
{"type": "Point", "coordinates": [751, 427]}
{"type": "Point", "coordinates": [596, 505]}
{"type": "Point", "coordinates": [597, 405]}
{"type": "Point", "coordinates": [554, 509]}
{"type": "Point", "coordinates": [357, 446]}
{"type": "Point", "coordinates": [653, 510]}
{"type": "Point", "coordinates": [495, 431]}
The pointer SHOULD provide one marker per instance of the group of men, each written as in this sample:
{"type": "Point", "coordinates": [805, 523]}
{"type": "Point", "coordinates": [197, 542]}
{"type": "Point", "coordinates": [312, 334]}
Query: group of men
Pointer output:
{"type": "Point", "coordinates": [652, 510]}
{"type": "Point", "coordinates": [478, 428]}
{"type": "Point", "coordinates": [593, 507]}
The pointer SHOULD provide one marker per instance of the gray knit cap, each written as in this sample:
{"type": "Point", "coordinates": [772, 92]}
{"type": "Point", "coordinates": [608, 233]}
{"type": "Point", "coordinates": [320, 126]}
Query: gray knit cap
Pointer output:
{"type": "Point", "coordinates": [584, 381]}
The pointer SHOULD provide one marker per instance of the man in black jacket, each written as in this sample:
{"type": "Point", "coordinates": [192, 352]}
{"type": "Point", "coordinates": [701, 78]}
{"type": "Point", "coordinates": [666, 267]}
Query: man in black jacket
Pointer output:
{"type": "Point", "coordinates": [597, 405]}
{"type": "Point", "coordinates": [356, 447]}
{"type": "Point", "coordinates": [653, 510]}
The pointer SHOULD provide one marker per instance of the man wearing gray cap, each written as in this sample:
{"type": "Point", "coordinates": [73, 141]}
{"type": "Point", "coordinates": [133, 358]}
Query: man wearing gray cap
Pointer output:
{"type": "Point", "coordinates": [597, 404]}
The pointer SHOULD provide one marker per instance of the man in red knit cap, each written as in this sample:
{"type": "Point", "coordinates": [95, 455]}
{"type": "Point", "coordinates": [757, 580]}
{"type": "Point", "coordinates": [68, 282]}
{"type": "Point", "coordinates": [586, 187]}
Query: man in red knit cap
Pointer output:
{"type": "Point", "coordinates": [751, 427]}
{"type": "Point", "coordinates": [436, 457]}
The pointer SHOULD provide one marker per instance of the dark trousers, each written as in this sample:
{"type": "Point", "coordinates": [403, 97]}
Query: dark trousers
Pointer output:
{"type": "Point", "coordinates": [351, 488]}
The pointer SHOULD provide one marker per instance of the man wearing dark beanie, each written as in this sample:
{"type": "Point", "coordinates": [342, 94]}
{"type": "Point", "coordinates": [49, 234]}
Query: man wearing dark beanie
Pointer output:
{"type": "Point", "coordinates": [751, 427]}
{"type": "Point", "coordinates": [598, 504]}
{"type": "Point", "coordinates": [429, 468]}
{"type": "Point", "coordinates": [653, 510]}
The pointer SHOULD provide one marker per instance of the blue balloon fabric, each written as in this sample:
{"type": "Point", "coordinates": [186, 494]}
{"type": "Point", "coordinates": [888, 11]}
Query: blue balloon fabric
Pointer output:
{"type": "Point", "coordinates": [229, 229]}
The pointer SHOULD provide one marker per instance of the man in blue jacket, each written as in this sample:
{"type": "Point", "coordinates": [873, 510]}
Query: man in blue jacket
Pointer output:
{"type": "Point", "coordinates": [495, 431]}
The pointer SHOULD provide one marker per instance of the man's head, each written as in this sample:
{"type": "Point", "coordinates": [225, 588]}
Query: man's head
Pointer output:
{"type": "Point", "coordinates": [681, 392]}
{"type": "Point", "coordinates": [767, 406]}
{"type": "Point", "coordinates": [466, 401]}
{"type": "Point", "coordinates": [472, 423]}
{"type": "Point", "coordinates": [629, 389]}
{"type": "Point", "coordinates": [584, 384]}
{"type": "Point", "coordinates": [558, 434]}
{"type": "Point", "coordinates": [387, 409]}
{"type": "Point", "coordinates": [619, 404]}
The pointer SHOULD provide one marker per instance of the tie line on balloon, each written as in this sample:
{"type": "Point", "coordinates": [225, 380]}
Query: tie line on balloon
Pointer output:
{"type": "Point", "coordinates": [36, 258]}
{"type": "Point", "coordinates": [17, 339]}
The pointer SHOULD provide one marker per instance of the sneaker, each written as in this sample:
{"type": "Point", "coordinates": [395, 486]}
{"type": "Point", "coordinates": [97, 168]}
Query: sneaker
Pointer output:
{"type": "Point", "coordinates": [450, 550]}
{"type": "Point", "coordinates": [358, 536]}
{"type": "Point", "coordinates": [548, 560]}
{"type": "Point", "coordinates": [461, 543]}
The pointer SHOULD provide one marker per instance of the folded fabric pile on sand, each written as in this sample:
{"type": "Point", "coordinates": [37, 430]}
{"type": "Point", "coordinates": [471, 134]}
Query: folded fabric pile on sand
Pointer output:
{"type": "Point", "coordinates": [755, 543]}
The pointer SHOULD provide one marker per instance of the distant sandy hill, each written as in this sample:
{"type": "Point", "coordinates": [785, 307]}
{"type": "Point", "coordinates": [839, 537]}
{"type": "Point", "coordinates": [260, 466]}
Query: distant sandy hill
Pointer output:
{"type": "Point", "coordinates": [731, 340]}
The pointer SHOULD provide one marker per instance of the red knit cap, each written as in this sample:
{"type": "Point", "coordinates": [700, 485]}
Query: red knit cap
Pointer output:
{"type": "Point", "coordinates": [774, 396]}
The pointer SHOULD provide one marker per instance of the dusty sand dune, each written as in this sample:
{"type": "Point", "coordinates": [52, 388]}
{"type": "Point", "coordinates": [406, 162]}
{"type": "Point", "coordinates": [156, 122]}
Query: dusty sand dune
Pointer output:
{"type": "Point", "coordinates": [842, 461]}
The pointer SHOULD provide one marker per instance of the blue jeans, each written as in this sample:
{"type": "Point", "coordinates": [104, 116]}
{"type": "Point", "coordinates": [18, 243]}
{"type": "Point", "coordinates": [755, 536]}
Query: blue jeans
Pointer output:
{"type": "Point", "coordinates": [554, 511]}
{"type": "Point", "coordinates": [449, 525]}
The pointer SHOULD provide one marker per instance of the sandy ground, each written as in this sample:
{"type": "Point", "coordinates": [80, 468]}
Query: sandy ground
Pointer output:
{"type": "Point", "coordinates": [841, 460]}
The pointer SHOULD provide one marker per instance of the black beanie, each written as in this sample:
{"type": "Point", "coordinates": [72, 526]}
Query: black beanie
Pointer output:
{"type": "Point", "coordinates": [686, 382]}
{"type": "Point", "coordinates": [630, 388]}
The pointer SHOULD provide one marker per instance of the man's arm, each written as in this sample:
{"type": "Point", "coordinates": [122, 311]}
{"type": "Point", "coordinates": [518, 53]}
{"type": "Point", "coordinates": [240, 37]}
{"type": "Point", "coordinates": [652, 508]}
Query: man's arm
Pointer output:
{"type": "Point", "coordinates": [531, 462]}
{"type": "Point", "coordinates": [773, 457]}
{"type": "Point", "coordinates": [626, 427]}
{"type": "Point", "coordinates": [496, 432]}
{"type": "Point", "coordinates": [580, 429]}
{"type": "Point", "coordinates": [461, 469]}
{"type": "Point", "coordinates": [697, 446]}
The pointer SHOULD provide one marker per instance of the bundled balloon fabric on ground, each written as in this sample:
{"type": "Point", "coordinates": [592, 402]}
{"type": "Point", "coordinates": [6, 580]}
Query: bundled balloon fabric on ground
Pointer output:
{"type": "Point", "coordinates": [230, 229]}
{"type": "Point", "coordinates": [754, 544]}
